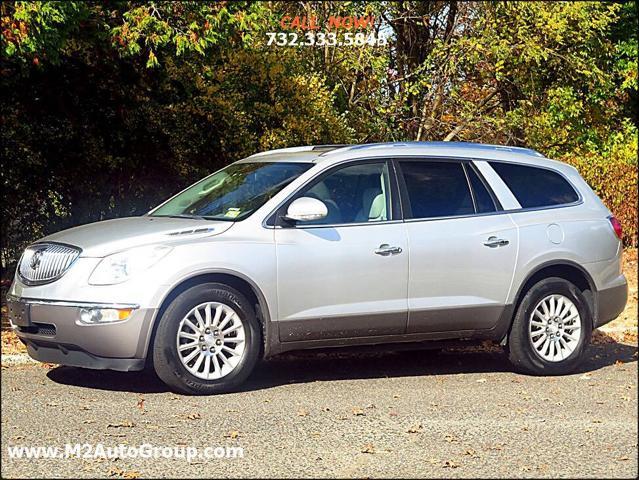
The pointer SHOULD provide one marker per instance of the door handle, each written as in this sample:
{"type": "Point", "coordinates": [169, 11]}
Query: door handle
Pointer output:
{"type": "Point", "coordinates": [494, 242]}
{"type": "Point", "coordinates": [385, 249]}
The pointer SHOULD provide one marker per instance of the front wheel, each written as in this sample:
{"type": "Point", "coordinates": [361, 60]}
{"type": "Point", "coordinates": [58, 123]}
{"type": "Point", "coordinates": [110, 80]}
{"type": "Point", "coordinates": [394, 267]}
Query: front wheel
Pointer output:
{"type": "Point", "coordinates": [208, 340]}
{"type": "Point", "coordinates": [551, 329]}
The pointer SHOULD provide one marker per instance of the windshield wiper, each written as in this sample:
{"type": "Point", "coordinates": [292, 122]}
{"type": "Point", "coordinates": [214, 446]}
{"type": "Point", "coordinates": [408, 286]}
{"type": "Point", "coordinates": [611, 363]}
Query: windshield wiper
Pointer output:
{"type": "Point", "coordinates": [184, 215]}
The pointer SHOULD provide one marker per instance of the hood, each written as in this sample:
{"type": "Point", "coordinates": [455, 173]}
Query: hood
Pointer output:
{"type": "Point", "coordinates": [103, 238]}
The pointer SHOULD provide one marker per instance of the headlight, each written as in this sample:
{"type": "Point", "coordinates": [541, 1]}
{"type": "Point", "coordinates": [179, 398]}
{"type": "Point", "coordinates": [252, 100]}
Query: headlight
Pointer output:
{"type": "Point", "coordinates": [121, 266]}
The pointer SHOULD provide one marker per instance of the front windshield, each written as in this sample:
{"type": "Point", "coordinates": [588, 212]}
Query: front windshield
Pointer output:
{"type": "Point", "coordinates": [234, 192]}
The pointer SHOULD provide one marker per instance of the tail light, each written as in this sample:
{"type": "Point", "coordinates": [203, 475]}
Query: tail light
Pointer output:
{"type": "Point", "coordinates": [616, 226]}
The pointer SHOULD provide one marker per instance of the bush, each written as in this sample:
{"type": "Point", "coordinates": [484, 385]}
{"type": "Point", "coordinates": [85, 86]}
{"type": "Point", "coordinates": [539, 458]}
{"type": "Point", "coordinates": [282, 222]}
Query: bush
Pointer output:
{"type": "Point", "coordinates": [615, 181]}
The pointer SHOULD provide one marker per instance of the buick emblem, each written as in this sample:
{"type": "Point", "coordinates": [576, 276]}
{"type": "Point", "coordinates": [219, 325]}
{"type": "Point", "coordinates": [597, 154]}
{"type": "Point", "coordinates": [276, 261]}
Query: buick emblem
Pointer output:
{"type": "Point", "coordinates": [35, 259]}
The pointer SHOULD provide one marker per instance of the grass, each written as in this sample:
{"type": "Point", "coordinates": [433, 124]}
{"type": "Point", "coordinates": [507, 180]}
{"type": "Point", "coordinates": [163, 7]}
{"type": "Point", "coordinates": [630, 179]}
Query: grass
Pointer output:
{"type": "Point", "coordinates": [622, 329]}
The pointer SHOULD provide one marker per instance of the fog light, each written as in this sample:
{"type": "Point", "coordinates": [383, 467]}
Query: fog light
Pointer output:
{"type": "Point", "coordinates": [104, 315]}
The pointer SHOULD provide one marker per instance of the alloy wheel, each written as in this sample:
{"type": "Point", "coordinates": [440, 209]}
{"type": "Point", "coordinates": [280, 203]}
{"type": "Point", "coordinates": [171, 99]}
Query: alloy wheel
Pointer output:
{"type": "Point", "coordinates": [555, 328]}
{"type": "Point", "coordinates": [211, 340]}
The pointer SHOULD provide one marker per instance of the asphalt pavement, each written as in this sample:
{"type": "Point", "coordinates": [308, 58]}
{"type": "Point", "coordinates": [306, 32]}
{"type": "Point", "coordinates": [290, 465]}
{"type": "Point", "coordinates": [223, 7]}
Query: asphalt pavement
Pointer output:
{"type": "Point", "coordinates": [338, 413]}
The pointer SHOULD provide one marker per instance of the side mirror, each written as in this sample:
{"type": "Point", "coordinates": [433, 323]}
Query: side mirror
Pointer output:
{"type": "Point", "coordinates": [306, 209]}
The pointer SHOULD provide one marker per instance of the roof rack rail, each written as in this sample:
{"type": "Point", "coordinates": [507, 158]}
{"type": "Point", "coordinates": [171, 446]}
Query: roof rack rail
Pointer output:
{"type": "Point", "coordinates": [306, 148]}
{"type": "Point", "coordinates": [468, 145]}
{"type": "Point", "coordinates": [329, 147]}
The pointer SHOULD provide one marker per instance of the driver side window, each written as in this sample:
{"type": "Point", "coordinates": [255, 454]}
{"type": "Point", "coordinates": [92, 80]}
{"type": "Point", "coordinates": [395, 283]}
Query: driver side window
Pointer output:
{"type": "Point", "coordinates": [356, 193]}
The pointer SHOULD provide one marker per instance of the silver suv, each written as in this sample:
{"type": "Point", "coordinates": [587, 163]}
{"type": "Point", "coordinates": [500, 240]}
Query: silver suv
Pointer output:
{"type": "Point", "coordinates": [326, 246]}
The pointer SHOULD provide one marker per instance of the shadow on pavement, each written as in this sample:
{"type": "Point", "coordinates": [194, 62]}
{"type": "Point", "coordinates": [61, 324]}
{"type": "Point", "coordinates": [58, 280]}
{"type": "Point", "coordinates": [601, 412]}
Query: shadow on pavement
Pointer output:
{"type": "Point", "coordinates": [347, 364]}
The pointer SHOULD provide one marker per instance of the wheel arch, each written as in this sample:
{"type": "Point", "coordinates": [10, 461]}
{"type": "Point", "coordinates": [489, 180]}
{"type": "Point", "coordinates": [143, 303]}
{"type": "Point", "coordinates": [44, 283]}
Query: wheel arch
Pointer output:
{"type": "Point", "coordinates": [566, 269]}
{"type": "Point", "coordinates": [233, 279]}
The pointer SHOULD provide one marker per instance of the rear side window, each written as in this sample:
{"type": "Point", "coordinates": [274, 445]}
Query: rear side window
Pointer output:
{"type": "Point", "coordinates": [535, 187]}
{"type": "Point", "coordinates": [436, 189]}
{"type": "Point", "coordinates": [483, 200]}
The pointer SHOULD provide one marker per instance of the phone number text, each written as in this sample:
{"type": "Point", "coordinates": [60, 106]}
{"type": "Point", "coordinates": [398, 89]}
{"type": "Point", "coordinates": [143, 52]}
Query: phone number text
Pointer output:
{"type": "Point", "coordinates": [322, 39]}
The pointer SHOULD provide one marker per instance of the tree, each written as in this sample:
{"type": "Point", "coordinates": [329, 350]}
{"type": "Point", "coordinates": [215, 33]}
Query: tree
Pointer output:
{"type": "Point", "coordinates": [109, 107]}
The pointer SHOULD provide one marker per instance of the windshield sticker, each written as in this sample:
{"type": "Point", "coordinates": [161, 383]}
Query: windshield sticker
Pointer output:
{"type": "Point", "coordinates": [233, 212]}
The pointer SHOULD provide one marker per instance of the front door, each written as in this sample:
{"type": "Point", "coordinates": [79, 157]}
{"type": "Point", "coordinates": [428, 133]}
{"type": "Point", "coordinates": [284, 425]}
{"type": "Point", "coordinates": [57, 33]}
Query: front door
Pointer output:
{"type": "Point", "coordinates": [346, 275]}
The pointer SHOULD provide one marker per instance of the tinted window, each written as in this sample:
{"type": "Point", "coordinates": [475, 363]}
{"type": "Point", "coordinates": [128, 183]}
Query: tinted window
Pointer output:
{"type": "Point", "coordinates": [535, 187]}
{"type": "Point", "coordinates": [483, 200]}
{"type": "Point", "coordinates": [353, 194]}
{"type": "Point", "coordinates": [436, 189]}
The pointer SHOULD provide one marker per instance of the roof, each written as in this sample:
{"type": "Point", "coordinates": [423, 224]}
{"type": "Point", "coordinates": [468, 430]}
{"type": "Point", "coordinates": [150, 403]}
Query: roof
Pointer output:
{"type": "Point", "coordinates": [308, 154]}
{"type": "Point", "coordinates": [321, 153]}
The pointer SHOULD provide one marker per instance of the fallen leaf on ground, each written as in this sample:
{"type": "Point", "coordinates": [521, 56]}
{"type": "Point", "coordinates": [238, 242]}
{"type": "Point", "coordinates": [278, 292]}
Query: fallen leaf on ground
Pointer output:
{"type": "Point", "coordinates": [232, 434]}
{"type": "Point", "coordinates": [368, 448]}
{"type": "Point", "coordinates": [121, 425]}
{"type": "Point", "coordinates": [118, 472]}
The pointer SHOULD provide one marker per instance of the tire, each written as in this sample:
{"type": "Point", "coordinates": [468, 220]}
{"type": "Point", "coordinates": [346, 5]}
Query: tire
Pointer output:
{"type": "Point", "coordinates": [528, 327]}
{"type": "Point", "coordinates": [169, 363]}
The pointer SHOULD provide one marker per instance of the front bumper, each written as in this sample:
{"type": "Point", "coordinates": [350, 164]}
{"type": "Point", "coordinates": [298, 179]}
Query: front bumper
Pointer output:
{"type": "Point", "coordinates": [72, 356]}
{"type": "Point", "coordinates": [56, 335]}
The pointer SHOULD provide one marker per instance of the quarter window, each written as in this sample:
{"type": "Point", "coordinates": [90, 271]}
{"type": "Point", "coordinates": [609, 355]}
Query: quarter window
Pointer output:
{"type": "Point", "coordinates": [357, 193]}
{"type": "Point", "coordinates": [535, 187]}
{"type": "Point", "coordinates": [436, 189]}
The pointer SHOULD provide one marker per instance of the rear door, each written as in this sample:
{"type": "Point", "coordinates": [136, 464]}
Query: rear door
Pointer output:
{"type": "Point", "coordinates": [462, 249]}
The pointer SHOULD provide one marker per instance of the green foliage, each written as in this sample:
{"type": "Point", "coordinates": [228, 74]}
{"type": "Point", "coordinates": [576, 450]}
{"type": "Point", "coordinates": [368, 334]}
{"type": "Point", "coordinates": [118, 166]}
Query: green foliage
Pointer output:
{"type": "Point", "coordinates": [109, 107]}
{"type": "Point", "coordinates": [186, 26]}
{"type": "Point", "coordinates": [34, 29]}
{"type": "Point", "coordinates": [611, 171]}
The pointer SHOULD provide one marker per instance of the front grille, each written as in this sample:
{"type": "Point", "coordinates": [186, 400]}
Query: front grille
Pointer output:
{"type": "Point", "coordinates": [46, 262]}
{"type": "Point", "coordinates": [46, 329]}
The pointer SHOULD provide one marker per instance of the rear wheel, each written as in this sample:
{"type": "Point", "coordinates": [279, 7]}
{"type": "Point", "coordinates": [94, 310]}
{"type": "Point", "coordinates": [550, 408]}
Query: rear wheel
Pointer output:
{"type": "Point", "coordinates": [208, 340]}
{"type": "Point", "coordinates": [551, 329]}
